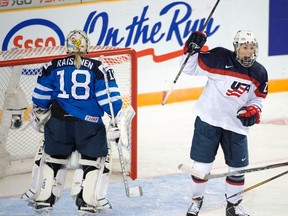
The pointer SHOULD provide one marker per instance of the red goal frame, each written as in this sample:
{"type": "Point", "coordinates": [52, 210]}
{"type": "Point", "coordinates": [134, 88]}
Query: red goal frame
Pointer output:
{"type": "Point", "coordinates": [24, 57]}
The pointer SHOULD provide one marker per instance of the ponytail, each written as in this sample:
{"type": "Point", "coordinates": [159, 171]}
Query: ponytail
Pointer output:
{"type": "Point", "coordinates": [77, 60]}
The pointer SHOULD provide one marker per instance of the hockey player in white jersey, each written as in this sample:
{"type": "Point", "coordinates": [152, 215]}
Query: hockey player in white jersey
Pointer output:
{"type": "Point", "coordinates": [229, 105]}
{"type": "Point", "coordinates": [73, 90]}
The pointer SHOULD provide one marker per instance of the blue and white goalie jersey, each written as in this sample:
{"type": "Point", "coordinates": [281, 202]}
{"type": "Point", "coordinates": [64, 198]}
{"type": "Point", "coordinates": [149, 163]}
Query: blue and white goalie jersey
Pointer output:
{"type": "Point", "coordinates": [80, 92]}
{"type": "Point", "coordinates": [229, 87]}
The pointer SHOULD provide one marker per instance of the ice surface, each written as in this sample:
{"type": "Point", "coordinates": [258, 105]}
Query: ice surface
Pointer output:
{"type": "Point", "coordinates": [164, 139]}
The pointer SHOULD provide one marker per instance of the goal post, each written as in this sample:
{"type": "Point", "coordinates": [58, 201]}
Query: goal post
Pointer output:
{"type": "Point", "coordinates": [21, 143]}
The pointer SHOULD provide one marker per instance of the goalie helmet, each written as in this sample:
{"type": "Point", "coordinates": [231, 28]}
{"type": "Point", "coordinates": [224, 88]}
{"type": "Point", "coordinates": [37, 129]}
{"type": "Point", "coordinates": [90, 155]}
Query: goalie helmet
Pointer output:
{"type": "Point", "coordinates": [77, 41]}
{"type": "Point", "coordinates": [245, 37]}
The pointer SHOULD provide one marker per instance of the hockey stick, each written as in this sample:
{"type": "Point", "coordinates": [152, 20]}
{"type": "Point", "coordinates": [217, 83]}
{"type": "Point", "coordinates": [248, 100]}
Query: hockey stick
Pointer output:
{"type": "Point", "coordinates": [130, 191]}
{"type": "Point", "coordinates": [258, 184]}
{"type": "Point", "coordinates": [204, 176]}
{"type": "Point", "coordinates": [188, 56]}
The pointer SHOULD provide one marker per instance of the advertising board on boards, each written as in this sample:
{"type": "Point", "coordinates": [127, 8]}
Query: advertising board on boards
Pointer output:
{"type": "Point", "coordinates": [157, 30]}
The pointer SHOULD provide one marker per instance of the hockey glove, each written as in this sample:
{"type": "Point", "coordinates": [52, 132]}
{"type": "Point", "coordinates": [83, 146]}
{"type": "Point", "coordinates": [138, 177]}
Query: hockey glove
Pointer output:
{"type": "Point", "coordinates": [195, 42]}
{"type": "Point", "coordinates": [39, 117]}
{"type": "Point", "coordinates": [113, 132]}
{"type": "Point", "coordinates": [249, 115]}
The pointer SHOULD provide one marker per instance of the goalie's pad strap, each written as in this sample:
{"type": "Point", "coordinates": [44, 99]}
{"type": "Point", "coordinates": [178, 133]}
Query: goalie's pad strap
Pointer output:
{"type": "Point", "coordinates": [93, 163]}
{"type": "Point", "coordinates": [50, 159]}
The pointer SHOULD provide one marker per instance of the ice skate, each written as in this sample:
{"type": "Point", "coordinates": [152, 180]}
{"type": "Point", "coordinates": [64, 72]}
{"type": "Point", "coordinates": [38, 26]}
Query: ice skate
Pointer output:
{"type": "Point", "coordinates": [195, 206]}
{"type": "Point", "coordinates": [83, 208]}
{"type": "Point", "coordinates": [235, 209]}
{"type": "Point", "coordinates": [86, 213]}
{"type": "Point", "coordinates": [42, 209]}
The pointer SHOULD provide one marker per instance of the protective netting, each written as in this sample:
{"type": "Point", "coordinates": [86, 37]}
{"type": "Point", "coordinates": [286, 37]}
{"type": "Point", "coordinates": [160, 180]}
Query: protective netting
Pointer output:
{"type": "Point", "coordinates": [22, 143]}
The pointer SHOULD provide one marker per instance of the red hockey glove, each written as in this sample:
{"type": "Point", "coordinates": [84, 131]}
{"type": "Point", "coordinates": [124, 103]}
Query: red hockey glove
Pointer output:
{"type": "Point", "coordinates": [249, 115]}
{"type": "Point", "coordinates": [195, 41]}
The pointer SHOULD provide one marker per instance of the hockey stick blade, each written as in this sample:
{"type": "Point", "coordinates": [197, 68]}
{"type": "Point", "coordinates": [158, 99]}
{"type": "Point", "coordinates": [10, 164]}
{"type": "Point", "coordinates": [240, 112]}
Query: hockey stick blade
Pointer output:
{"type": "Point", "coordinates": [204, 176]}
{"type": "Point", "coordinates": [135, 191]}
{"type": "Point", "coordinates": [130, 191]}
{"type": "Point", "coordinates": [188, 169]}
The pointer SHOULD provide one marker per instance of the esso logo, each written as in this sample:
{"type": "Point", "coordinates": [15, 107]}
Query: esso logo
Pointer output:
{"type": "Point", "coordinates": [20, 42]}
{"type": "Point", "coordinates": [24, 35]}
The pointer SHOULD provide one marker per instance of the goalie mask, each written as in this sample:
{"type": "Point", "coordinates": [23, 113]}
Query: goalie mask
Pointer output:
{"type": "Point", "coordinates": [249, 54]}
{"type": "Point", "coordinates": [77, 42]}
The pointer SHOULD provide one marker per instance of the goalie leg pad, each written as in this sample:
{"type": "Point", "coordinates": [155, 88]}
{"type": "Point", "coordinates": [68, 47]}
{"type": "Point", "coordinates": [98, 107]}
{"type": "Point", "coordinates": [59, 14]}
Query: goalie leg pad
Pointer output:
{"type": "Point", "coordinates": [94, 186]}
{"type": "Point", "coordinates": [47, 179]}
{"type": "Point", "coordinates": [37, 176]}
{"type": "Point", "coordinates": [102, 189]}
{"type": "Point", "coordinates": [46, 184]}
{"type": "Point", "coordinates": [52, 182]}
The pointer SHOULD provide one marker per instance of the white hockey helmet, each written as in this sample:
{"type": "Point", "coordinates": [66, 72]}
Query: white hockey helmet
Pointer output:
{"type": "Point", "coordinates": [77, 41]}
{"type": "Point", "coordinates": [245, 37]}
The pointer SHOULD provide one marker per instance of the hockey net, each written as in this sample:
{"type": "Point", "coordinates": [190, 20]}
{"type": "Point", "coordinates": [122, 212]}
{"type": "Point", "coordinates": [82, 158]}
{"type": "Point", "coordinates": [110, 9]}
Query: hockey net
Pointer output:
{"type": "Point", "coordinates": [22, 143]}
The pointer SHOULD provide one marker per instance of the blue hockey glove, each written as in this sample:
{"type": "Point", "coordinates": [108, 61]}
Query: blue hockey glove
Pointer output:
{"type": "Point", "coordinates": [195, 42]}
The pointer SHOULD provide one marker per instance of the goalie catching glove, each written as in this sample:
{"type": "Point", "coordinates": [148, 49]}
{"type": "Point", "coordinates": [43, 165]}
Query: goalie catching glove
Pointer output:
{"type": "Point", "coordinates": [195, 42]}
{"type": "Point", "coordinates": [249, 115]}
{"type": "Point", "coordinates": [39, 117]}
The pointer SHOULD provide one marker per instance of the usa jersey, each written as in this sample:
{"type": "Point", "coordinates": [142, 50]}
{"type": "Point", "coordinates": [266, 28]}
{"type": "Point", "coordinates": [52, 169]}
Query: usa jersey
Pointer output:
{"type": "Point", "coordinates": [80, 92]}
{"type": "Point", "coordinates": [229, 87]}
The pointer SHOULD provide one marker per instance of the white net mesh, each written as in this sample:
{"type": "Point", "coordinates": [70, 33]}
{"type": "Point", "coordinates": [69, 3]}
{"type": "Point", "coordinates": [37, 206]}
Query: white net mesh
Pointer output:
{"type": "Point", "coordinates": [22, 143]}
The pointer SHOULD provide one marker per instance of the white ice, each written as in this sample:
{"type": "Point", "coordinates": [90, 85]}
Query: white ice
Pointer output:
{"type": "Point", "coordinates": [164, 139]}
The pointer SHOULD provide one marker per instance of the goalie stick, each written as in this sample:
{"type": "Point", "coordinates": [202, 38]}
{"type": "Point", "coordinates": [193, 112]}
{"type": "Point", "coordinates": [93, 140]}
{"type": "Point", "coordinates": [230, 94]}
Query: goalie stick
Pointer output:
{"type": "Point", "coordinates": [188, 56]}
{"type": "Point", "coordinates": [129, 114]}
{"type": "Point", "coordinates": [130, 191]}
{"type": "Point", "coordinates": [204, 176]}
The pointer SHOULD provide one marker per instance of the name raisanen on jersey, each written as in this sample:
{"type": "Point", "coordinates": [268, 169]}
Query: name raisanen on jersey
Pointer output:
{"type": "Point", "coordinates": [70, 61]}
